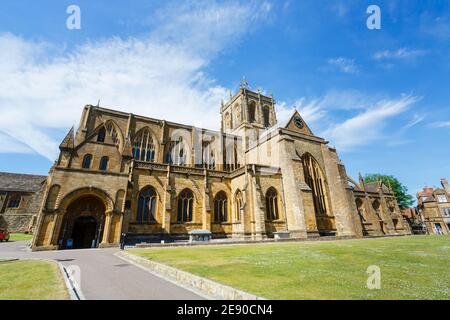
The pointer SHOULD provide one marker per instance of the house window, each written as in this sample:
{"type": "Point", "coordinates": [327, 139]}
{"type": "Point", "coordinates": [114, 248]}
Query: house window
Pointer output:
{"type": "Point", "coordinates": [438, 228]}
{"type": "Point", "coordinates": [146, 206]}
{"type": "Point", "coordinates": [104, 163]}
{"type": "Point", "coordinates": [220, 207]}
{"type": "Point", "coordinates": [14, 201]}
{"type": "Point", "coordinates": [447, 212]}
{"type": "Point", "coordinates": [87, 161]}
{"type": "Point", "coordinates": [441, 198]}
{"type": "Point", "coordinates": [2, 200]}
{"type": "Point", "coordinates": [185, 206]}
{"type": "Point", "coordinates": [272, 205]}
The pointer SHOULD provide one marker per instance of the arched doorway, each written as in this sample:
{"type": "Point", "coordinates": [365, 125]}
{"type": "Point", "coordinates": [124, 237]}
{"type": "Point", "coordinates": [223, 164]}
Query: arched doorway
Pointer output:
{"type": "Point", "coordinates": [84, 232]}
{"type": "Point", "coordinates": [83, 224]}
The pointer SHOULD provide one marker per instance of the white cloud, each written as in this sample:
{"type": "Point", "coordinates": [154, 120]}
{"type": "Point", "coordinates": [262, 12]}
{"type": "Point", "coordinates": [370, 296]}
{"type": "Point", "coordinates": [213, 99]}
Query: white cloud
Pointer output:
{"type": "Point", "coordinates": [160, 75]}
{"type": "Point", "coordinates": [441, 124]}
{"type": "Point", "coordinates": [311, 111]}
{"type": "Point", "coordinates": [205, 26]}
{"type": "Point", "coordinates": [349, 118]}
{"type": "Point", "coordinates": [368, 126]}
{"type": "Point", "coordinates": [344, 65]}
{"type": "Point", "coordinates": [8, 144]}
{"type": "Point", "coordinates": [401, 54]}
{"type": "Point", "coordinates": [416, 119]}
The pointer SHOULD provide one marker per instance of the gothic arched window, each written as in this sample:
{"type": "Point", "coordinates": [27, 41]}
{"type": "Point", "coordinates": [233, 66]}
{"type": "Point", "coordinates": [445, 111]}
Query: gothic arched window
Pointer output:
{"type": "Point", "coordinates": [272, 205]}
{"type": "Point", "coordinates": [220, 207]}
{"type": "Point", "coordinates": [104, 163]}
{"type": "Point", "coordinates": [101, 134]}
{"type": "Point", "coordinates": [185, 206]}
{"type": "Point", "coordinates": [209, 160]}
{"type": "Point", "coordinates": [143, 147]}
{"type": "Point", "coordinates": [266, 116]}
{"type": "Point", "coordinates": [251, 112]}
{"type": "Point", "coordinates": [113, 133]}
{"type": "Point", "coordinates": [315, 180]}
{"type": "Point", "coordinates": [87, 161]}
{"type": "Point", "coordinates": [146, 205]}
{"type": "Point", "coordinates": [177, 153]}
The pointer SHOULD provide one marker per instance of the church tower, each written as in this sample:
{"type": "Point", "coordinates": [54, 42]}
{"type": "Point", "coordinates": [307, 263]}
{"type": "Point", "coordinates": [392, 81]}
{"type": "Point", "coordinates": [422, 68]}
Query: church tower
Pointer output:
{"type": "Point", "coordinates": [248, 113]}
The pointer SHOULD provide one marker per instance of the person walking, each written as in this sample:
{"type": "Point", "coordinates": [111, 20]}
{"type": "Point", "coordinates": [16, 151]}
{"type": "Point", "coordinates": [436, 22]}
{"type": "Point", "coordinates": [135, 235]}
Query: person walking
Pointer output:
{"type": "Point", "coordinates": [123, 238]}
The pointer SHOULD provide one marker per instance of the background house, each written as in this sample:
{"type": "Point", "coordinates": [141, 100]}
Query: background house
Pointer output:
{"type": "Point", "coordinates": [20, 199]}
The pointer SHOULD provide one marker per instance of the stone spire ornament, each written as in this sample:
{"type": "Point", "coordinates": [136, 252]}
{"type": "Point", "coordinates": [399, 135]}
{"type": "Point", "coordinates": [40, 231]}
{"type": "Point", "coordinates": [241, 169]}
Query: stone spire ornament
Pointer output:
{"type": "Point", "coordinates": [244, 83]}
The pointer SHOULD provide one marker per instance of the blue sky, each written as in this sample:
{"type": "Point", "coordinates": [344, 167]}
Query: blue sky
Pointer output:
{"type": "Point", "coordinates": [380, 96]}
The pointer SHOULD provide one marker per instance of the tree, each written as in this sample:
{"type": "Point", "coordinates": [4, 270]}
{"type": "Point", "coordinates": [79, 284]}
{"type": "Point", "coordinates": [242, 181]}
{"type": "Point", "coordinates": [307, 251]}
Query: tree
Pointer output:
{"type": "Point", "coordinates": [404, 199]}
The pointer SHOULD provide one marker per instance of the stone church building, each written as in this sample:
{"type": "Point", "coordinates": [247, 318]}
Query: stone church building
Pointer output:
{"type": "Point", "coordinates": [155, 179]}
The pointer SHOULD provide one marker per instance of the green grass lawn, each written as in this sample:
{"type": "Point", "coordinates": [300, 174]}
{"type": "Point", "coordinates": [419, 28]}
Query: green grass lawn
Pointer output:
{"type": "Point", "coordinates": [411, 267]}
{"type": "Point", "coordinates": [31, 280]}
{"type": "Point", "coordinates": [20, 236]}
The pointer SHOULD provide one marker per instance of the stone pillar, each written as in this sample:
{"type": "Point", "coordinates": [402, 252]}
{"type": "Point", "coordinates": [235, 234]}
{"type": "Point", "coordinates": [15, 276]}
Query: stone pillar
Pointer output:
{"type": "Point", "coordinates": [167, 204]}
{"type": "Point", "coordinates": [54, 229]}
{"type": "Point", "coordinates": [374, 219]}
{"type": "Point", "coordinates": [337, 188]}
{"type": "Point", "coordinates": [357, 221]}
{"type": "Point", "coordinates": [385, 212]}
{"type": "Point", "coordinates": [238, 217]}
{"type": "Point", "coordinates": [164, 141]}
{"type": "Point", "coordinates": [206, 211]}
{"type": "Point", "coordinates": [291, 170]}
{"type": "Point", "coordinates": [56, 226]}
{"type": "Point", "coordinates": [107, 228]}
{"type": "Point", "coordinates": [259, 216]}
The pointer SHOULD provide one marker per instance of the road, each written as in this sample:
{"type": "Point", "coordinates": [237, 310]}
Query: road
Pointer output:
{"type": "Point", "coordinates": [105, 276]}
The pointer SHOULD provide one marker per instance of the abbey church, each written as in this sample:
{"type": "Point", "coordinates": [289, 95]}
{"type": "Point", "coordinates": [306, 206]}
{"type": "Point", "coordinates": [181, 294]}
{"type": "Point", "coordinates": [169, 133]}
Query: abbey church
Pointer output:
{"type": "Point", "coordinates": [158, 180]}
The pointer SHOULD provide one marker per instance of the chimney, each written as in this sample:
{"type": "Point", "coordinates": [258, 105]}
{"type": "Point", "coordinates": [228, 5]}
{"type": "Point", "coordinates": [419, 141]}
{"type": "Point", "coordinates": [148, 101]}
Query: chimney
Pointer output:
{"type": "Point", "coordinates": [445, 185]}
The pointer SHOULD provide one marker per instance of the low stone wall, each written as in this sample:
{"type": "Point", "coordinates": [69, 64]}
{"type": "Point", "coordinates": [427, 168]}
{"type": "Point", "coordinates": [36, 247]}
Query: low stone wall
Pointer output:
{"type": "Point", "coordinates": [16, 222]}
{"type": "Point", "coordinates": [233, 242]}
{"type": "Point", "coordinates": [209, 288]}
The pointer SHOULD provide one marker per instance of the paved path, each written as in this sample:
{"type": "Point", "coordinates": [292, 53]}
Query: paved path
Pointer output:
{"type": "Point", "coordinates": [105, 276]}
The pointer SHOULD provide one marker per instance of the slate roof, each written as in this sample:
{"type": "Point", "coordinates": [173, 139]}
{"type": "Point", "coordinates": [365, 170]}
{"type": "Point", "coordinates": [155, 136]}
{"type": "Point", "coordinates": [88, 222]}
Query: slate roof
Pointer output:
{"type": "Point", "coordinates": [20, 182]}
